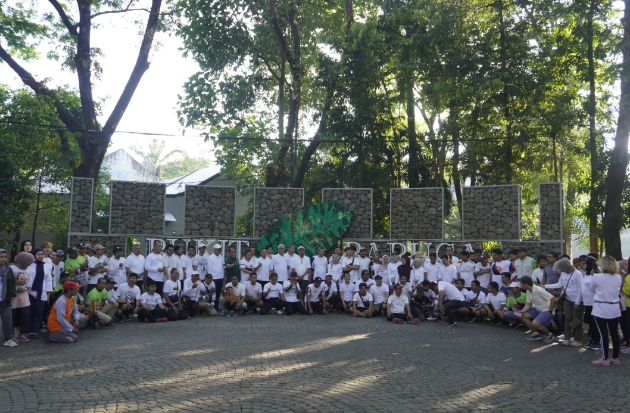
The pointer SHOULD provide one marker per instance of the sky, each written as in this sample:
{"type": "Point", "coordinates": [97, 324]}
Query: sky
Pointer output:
{"type": "Point", "coordinates": [153, 106]}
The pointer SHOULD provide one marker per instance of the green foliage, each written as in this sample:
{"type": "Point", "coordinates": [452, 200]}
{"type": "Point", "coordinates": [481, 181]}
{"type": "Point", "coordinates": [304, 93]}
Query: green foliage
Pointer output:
{"type": "Point", "coordinates": [312, 226]}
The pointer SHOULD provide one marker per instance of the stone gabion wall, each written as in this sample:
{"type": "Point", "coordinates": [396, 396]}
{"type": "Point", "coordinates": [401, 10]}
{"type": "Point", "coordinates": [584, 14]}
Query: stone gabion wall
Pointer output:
{"type": "Point", "coordinates": [81, 205]}
{"type": "Point", "coordinates": [492, 212]}
{"type": "Point", "coordinates": [534, 248]}
{"type": "Point", "coordinates": [417, 213]}
{"type": "Point", "coordinates": [550, 211]}
{"type": "Point", "coordinates": [104, 240]}
{"type": "Point", "coordinates": [136, 208]}
{"type": "Point", "coordinates": [210, 211]}
{"type": "Point", "coordinates": [358, 201]}
{"type": "Point", "coordinates": [271, 204]}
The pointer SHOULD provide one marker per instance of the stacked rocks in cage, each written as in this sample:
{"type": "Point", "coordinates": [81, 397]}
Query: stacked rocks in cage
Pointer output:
{"type": "Point", "coordinates": [81, 205]}
{"type": "Point", "coordinates": [417, 213]}
{"type": "Point", "coordinates": [210, 211]}
{"type": "Point", "coordinates": [492, 212]}
{"type": "Point", "coordinates": [137, 208]}
{"type": "Point", "coordinates": [106, 241]}
{"type": "Point", "coordinates": [358, 201]}
{"type": "Point", "coordinates": [271, 204]}
{"type": "Point", "coordinates": [550, 209]}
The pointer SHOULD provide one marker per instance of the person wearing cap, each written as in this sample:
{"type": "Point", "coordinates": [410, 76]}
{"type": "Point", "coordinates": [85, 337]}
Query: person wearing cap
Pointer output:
{"type": "Point", "coordinates": [58, 265]}
{"type": "Point", "coordinates": [483, 271]}
{"type": "Point", "coordinates": [349, 265]}
{"type": "Point", "coordinates": [215, 267]}
{"type": "Point", "coordinates": [129, 296]}
{"type": "Point", "coordinates": [536, 315]}
{"type": "Point", "coordinates": [273, 294]}
{"type": "Point", "coordinates": [280, 264]}
{"type": "Point", "coordinates": [524, 264]}
{"type": "Point", "coordinates": [364, 262]}
{"type": "Point", "coordinates": [398, 309]}
{"type": "Point", "coordinates": [65, 320]}
{"type": "Point", "coordinates": [320, 264]}
{"type": "Point", "coordinates": [380, 294]}
{"type": "Point", "coordinates": [152, 306]}
{"type": "Point", "coordinates": [84, 249]}
{"type": "Point", "coordinates": [191, 293]}
{"type": "Point", "coordinates": [116, 266]}
{"type": "Point", "coordinates": [365, 278]}
{"type": "Point", "coordinates": [315, 296]}
{"type": "Point", "coordinates": [293, 295]}
{"type": "Point", "coordinates": [207, 297]}
{"type": "Point", "coordinates": [173, 297]}
{"type": "Point", "coordinates": [134, 264]}
{"type": "Point", "coordinates": [154, 265]}
{"type": "Point", "coordinates": [346, 292]}
{"type": "Point", "coordinates": [99, 303]}
{"type": "Point", "coordinates": [73, 263]}
{"type": "Point", "coordinates": [362, 302]}
{"type": "Point", "coordinates": [264, 271]}
{"type": "Point", "coordinates": [330, 293]}
{"type": "Point", "coordinates": [301, 265]}
{"type": "Point", "coordinates": [571, 284]}
{"type": "Point", "coordinates": [238, 289]}
{"type": "Point", "coordinates": [200, 262]}
{"type": "Point", "coordinates": [514, 305]}
{"type": "Point", "coordinates": [98, 267]}
{"type": "Point", "coordinates": [248, 265]}
{"type": "Point", "coordinates": [253, 293]}
{"type": "Point", "coordinates": [450, 299]}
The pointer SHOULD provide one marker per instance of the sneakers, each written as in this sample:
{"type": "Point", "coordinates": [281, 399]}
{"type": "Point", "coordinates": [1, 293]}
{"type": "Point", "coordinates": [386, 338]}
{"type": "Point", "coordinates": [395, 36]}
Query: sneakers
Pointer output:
{"type": "Point", "coordinates": [595, 347]}
{"type": "Point", "coordinates": [625, 350]}
{"type": "Point", "coordinates": [397, 321]}
{"type": "Point", "coordinates": [549, 338]}
{"type": "Point", "coordinates": [162, 319]}
{"type": "Point", "coordinates": [534, 337]}
{"type": "Point", "coordinates": [21, 338]}
{"type": "Point", "coordinates": [279, 312]}
{"type": "Point", "coordinates": [576, 344]}
{"type": "Point", "coordinates": [10, 343]}
{"type": "Point", "coordinates": [235, 314]}
{"type": "Point", "coordinates": [561, 337]}
{"type": "Point", "coordinates": [231, 313]}
{"type": "Point", "coordinates": [226, 313]}
{"type": "Point", "coordinates": [451, 324]}
{"type": "Point", "coordinates": [615, 362]}
{"type": "Point", "coordinates": [431, 319]}
{"type": "Point", "coordinates": [472, 320]}
{"type": "Point", "coordinates": [602, 362]}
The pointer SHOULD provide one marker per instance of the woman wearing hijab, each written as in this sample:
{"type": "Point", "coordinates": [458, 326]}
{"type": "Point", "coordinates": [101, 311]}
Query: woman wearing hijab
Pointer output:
{"type": "Point", "coordinates": [7, 291]}
{"type": "Point", "coordinates": [606, 286]}
{"type": "Point", "coordinates": [383, 271]}
{"type": "Point", "coordinates": [404, 268]}
{"type": "Point", "coordinates": [26, 246]}
{"type": "Point", "coordinates": [571, 284]}
{"type": "Point", "coordinates": [335, 268]}
{"type": "Point", "coordinates": [39, 284]}
{"type": "Point", "coordinates": [21, 302]}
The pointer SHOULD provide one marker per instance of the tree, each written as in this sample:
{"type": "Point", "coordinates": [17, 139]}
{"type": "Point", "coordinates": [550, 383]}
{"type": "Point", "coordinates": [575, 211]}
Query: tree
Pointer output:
{"type": "Point", "coordinates": [22, 29]}
{"type": "Point", "coordinates": [156, 154]}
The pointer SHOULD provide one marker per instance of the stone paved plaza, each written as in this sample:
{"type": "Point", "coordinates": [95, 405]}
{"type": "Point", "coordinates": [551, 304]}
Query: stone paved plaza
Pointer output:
{"type": "Point", "coordinates": [328, 363]}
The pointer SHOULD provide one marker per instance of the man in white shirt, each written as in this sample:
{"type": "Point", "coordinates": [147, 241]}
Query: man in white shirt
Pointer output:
{"type": "Point", "coordinates": [331, 294]}
{"type": "Point", "coordinates": [301, 264]}
{"type": "Point", "coordinates": [499, 266]}
{"type": "Point", "coordinates": [346, 292]}
{"type": "Point", "coordinates": [191, 292]}
{"type": "Point", "coordinates": [380, 293]}
{"type": "Point", "coordinates": [432, 269]}
{"type": "Point", "coordinates": [293, 296]}
{"type": "Point", "coordinates": [417, 272]}
{"type": "Point", "coordinates": [407, 288]}
{"type": "Point", "coordinates": [398, 309]}
{"type": "Point", "coordinates": [116, 266]}
{"type": "Point", "coordinates": [253, 293]}
{"type": "Point", "coordinates": [176, 260]}
{"type": "Point", "coordinates": [152, 307]}
{"type": "Point", "coordinates": [466, 269]}
{"type": "Point", "coordinates": [320, 264]}
{"type": "Point", "coordinates": [450, 300]}
{"type": "Point", "coordinates": [364, 262]}
{"type": "Point", "coordinates": [216, 268]}
{"type": "Point", "coordinates": [524, 264]}
{"type": "Point", "coordinates": [264, 271]}
{"type": "Point", "coordinates": [280, 264]}
{"type": "Point", "coordinates": [428, 257]}
{"type": "Point", "coordinates": [314, 297]}
{"type": "Point", "coordinates": [200, 262]}
{"type": "Point", "coordinates": [448, 272]}
{"type": "Point", "coordinates": [475, 299]}
{"type": "Point", "coordinates": [495, 303]}
{"type": "Point", "coordinates": [273, 294]}
{"type": "Point", "coordinates": [239, 291]}
{"type": "Point", "coordinates": [97, 265]}
{"type": "Point", "coordinates": [129, 296]}
{"type": "Point", "coordinates": [365, 278]}
{"type": "Point", "coordinates": [187, 261]}
{"type": "Point", "coordinates": [134, 264]}
{"type": "Point", "coordinates": [248, 265]}
{"type": "Point", "coordinates": [348, 264]}
{"type": "Point", "coordinates": [291, 255]}
{"type": "Point", "coordinates": [168, 254]}
{"type": "Point", "coordinates": [362, 302]}
{"type": "Point", "coordinates": [154, 265]}
{"type": "Point", "coordinates": [207, 297]}
{"type": "Point", "coordinates": [483, 271]}
{"type": "Point", "coordinates": [58, 266]}
{"type": "Point", "coordinates": [172, 297]}
{"type": "Point", "coordinates": [448, 251]}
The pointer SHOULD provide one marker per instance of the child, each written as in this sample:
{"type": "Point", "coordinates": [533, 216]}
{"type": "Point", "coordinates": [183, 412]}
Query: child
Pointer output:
{"type": "Point", "coordinates": [231, 300]}
{"type": "Point", "coordinates": [19, 309]}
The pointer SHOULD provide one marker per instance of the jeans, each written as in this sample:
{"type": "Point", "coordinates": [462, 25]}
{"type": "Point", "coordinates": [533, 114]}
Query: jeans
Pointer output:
{"type": "Point", "coordinates": [6, 315]}
{"type": "Point", "coordinates": [624, 323]}
{"type": "Point", "coordinates": [35, 314]}
{"type": "Point", "coordinates": [511, 318]}
{"type": "Point", "coordinates": [451, 307]}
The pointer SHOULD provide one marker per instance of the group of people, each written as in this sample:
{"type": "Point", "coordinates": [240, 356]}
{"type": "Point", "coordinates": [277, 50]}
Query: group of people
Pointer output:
{"type": "Point", "coordinates": [551, 296]}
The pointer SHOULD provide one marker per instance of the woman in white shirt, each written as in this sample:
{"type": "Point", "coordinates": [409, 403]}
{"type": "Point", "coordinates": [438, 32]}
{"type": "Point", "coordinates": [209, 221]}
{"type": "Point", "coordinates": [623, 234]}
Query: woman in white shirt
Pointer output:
{"type": "Point", "coordinates": [40, 284]}
{"type": "Point", "coordinates": [382, 270]}
{"type": "Point", "coordinates": [571, 284]}
{"type": "Point", "coordinates": [606, 310]}
{"type": "Point", "coordinates": [587, 300]}
{"type": "Point", "coordinates": [335, 268]}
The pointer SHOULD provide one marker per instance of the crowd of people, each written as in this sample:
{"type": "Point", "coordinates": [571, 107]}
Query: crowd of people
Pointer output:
{"type": "Point", "coordinates": [56, 293]}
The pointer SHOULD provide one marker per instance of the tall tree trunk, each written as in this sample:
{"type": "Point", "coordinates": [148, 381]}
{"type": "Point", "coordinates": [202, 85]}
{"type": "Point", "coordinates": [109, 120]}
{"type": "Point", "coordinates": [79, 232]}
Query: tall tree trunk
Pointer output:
{"type": "Point", "coordinates": [412, 168]}
{"type": "Point", "coordinates": [39, 194]}
{"type": "Point", "coordinates": [15, 249]}
{"type": "Point", "coordinates": [281, 83]}
{"type": "Point", "coordinates": [456, 178]}
{"type": "Point", "coordinates": [349, 16]}
{"type": "Point", "coordinates": [568, 218]}
{"type": "Point", "coordinates": [555, 156]}
{"type": "Point", "coordinates": [619, 160]}
{"type": "Point", "coordinates": [505, 94]}
{"type": "Point", "coordinates": [592, 206]}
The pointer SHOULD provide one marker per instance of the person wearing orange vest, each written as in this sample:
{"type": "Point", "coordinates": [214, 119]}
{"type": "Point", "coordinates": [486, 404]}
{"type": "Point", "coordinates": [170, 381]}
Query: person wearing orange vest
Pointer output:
{"type": "Point", "coordinates": [65, 320]}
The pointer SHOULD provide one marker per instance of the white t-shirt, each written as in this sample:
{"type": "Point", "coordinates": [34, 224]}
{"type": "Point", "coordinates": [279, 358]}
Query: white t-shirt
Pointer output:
{"type": "Point", "coordinates": [416, 275]}
{"type": "Point", "coordinates": [191, 292]}
{"type": "Point", "coordinates": [118, 273]}
{"type": "Point", "coordinates": [392, 273]}
{"type": "Point", "coordinates": [330, 290]}
{"type": "Point", "coordinates": [112, 294]}
{"type": "Point", "coordinates": [253, 290]}
{"type": "Point", "coordinates": [539, 297]}
{"type": "Point", "coordinates": [448, 273]}
{"type": "Point", "coordinates": [345, 262]}
{"type": "Point", "coordinates": [214, 266]}
{"type": "Point", "coordinates": [363, 263]}
{"type": "Point", "coordinates": [152, 264]}
{"type": "Point", "coordinates": [606, 288]}
{"type": "Point", "coordinates": [301, 266]}
{"type": "Point", "coordinates": [450, 291]}
{"type": "Point", "coordinates": [57, 270]}
{"type": "Point", "coordinates": [524, 267]}
{"type": "Point", "coordinates": [336, 270]}
{"type": "Point", "coordinates": [501, 267]}
{"type": "Point", "coordinates": [201, 262]}
{"type": "Point", "coordinates": [273, 290]}
{"type": "Point", "coordinates": [320, 267]}
{"type": "Point", "coordinates": [280, 264]}
{"type": "Point", "coordinates": [346, 291]}
{"type": "Point", "coordinates": [433, 271]}
{"type": "Point", "coordinates": [239, 290]}
{"type": "Point", "coordinates": [173, 288]}
{"type": "Point", "coordinates": [315, 293]}
{"type": "Point", "coordinates": [291, 296]}
{"type": "Point", "coordinates": [537, 275]}
{"type": "Point", "coordinates": [379, 293]}
{"type": "Point", "coordinates": [187, 264]}
{"type": "Point", "coordinates": [135, 263]}
{"type": "Point", "coordinates": [177, 262]}
{"type": "Point", "coordinates": [496, 300]}
{"type": "Point", "coordinates": [151, 300]}
{"type": "Point", "coordinates": [480, 299]}
{"type": "Point", "coordinates": [370, 282]}
{"type": "Point", "coordinates": [466, 272]}
{"type": "Point", "coordinates": [360, 299]}
{"type": "Point", "coordinates": [94, 262]}
{"type": "Point", "coordinates": [407, 289]}
{"type": "Point", "coordinates": [127, 293]}
{"type": "Point", "coordinates": [484, 279]}
{"type": "Point", "coordinates": [397, 304]}
{"type": "Point", "coordinates": [247, 265]}
{"type": "Point", "coordinates": [265, 269]}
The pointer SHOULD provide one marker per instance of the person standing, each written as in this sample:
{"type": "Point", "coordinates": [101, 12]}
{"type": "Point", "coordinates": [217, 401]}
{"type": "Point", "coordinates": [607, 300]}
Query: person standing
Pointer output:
{"type": "Point", "coordinates": [264, 271]}
{"type": "Point", "coordinates": [524, 264]}
{"type": "Point", "coordinates": [215, 267]}
{"type": "Point", "coordinates": [320, 264]}
{"type": "Point", "coordinates": [232, 266]}
{"type": "Point", "coordinates": [302, 267]}
{"type": "Point", "coordinates": [176, 260]}
{"type": "Point", "coordinates": [587, 299]}
{"type": "Point", "coordinates": [571, 284]}
{"type": "Point", "coordinates": [21, 303]}
{"type": "Point", "coordinates": [58, 265]}
{"type": "Point", "coordinates": [154, 265]}
{"type": "Point", "coordinates": [280, 264]}
{"type": "Point", "coordinates": [187, 262]}
{"type": "Point", "coordinates": [134, 264]}
{"type": "Point", "coordinates": [7, 291]}
{"type": "Point", "coordinates": [335, 269]}
{"type": "Point", "coordinates": [200, 262]}
{"type": "Point", "coordinates": [364, 261]}
{"type": "Point", "coordinates": [550, 275]}
{"type": "Point", "coordinates": [40, 285]}
{"type": "Point", "coordinates": [98, 267]}
{"type": "Point", "coordinates": [606, 286]}
{"type": "Point", "coordinates": [117, 266]}
{"type": "Point", "coordinates": [349, 265]}
{"type": "Point", "coordinates": [247, 266]}
{"type": "Point", "coordinates": [466, 269]}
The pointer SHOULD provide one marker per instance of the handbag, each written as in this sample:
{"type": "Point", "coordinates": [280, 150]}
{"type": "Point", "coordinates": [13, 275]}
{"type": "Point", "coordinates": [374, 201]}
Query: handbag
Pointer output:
{"type": "Point", "coordinates": [563, 296]}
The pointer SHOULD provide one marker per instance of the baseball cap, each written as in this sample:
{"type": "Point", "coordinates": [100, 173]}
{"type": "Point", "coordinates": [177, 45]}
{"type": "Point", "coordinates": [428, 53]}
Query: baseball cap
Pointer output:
{"type": "Point", "coordinates": [80, 245]}
{"type": "Point", "coordinates": [117, 248]}
{"type": "Point", "coordinates": [514, 285]}
{"type": "Point", "coordinates": [526, 280]}
{"type": "Point", "coordinates": [317, 279]}
{"type": "Point", "coordinates": [88, 245]}
{"type": "Point", "coordinates": [110, 280]}
{"type": "Point", "coordinates": [194, 272]}
{"type": "Point", "coordinates": [71, 250]}
{"type": "Point", "coordinates": [202, 245]}
{"type": "Point", "coordinates": [68, 285]}
{"type": "Point", "coordinates": [329, 274]}
{"type": "Point", "coordinates": [97, 247]}
{"type": "Point", "coordinates": [363, 249]}
{"type": "Point", "coordinates": [217, 246]}
{"type": "Point", "coordinates": [60, 253]}
{"type": "Point", "coordinates": [483, 257]}
{"type": "Point", "coordinates": [397, 286]}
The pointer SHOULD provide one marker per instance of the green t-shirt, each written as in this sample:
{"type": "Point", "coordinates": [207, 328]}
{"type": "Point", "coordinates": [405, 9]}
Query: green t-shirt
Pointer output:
{"type": "Point", "coordinates": [235, 270]}
{"type": "Point", "coordinates": [58, 287]}
{"type": "Point", "coordinates": [96, 300]}
{"type": "Point", "coordinates": [516, 303]}
{"type": "Point", "coordinates": [72, 266]}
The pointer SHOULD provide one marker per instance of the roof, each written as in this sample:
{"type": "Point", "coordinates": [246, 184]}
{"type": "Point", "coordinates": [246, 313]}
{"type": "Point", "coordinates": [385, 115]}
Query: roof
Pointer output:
{"type": "Point", "coordinates": [177, 186]}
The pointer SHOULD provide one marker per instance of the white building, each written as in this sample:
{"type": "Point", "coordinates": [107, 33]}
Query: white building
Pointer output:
{"type": "Point", "coordinates": [122, 166]}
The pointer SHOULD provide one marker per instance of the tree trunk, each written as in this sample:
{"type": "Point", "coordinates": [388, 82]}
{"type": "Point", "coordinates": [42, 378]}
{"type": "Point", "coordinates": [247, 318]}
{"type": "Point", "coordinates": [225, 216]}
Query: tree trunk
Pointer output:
{"type": "Point", "coordinates": [412, 168]}
{"type": "Point", "coordinates": [281, 82]}
{"type": "Point", "coordinates": [568, 218]}
{"type": "Point", "coordinates": [555, 156]}
{"type": "Point", "coordinates": [619, 160]}
{"type": "Point", "coordinates": [592, 206]}
{"type": "Point", "coordinates": [505, 94]}
{"type": "Point", "coordinates": [349, 16]}
{"type": "Point", "coordinates": [456, 178]}
{"type": "Point", "coordinates": [39, 194]}
{"type": "Point", "coordinates": [15, 249]}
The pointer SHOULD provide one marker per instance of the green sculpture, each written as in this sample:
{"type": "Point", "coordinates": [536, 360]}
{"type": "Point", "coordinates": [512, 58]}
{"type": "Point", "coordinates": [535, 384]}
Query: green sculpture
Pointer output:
{"type": "Point", "coordinates": [312, 226]}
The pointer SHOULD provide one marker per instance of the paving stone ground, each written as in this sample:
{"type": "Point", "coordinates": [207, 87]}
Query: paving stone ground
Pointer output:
{"type": "Point", "coordinates": [299, 363]}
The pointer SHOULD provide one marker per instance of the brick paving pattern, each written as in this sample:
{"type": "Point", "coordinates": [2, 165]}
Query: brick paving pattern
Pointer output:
{"type": "Point", "coordinates": [306, 364]}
